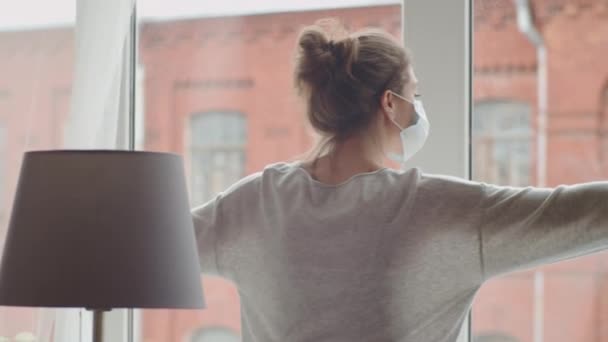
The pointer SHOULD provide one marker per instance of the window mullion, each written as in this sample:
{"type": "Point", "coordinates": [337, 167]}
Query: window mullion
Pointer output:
{"type": "Point", "coordinates": [439, 34]}
{"type": "Point", "coordinates": [119, 323]}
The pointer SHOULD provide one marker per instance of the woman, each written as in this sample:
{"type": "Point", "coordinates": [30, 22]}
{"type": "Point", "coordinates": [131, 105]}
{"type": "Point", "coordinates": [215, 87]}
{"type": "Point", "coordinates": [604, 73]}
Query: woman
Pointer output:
{"type": "Point", "coordinates": [337, 247]}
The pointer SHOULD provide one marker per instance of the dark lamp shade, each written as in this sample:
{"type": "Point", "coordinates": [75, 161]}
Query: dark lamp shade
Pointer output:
{"type": "Point", "coordinates": [101, 230]}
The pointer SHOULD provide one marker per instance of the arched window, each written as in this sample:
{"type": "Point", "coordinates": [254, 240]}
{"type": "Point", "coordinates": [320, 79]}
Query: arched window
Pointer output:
{"type": "Point", "coordinates": [215, 334]}
{"type": "Point", "coordinates": [217, 153]}
{"type": "Point", "coordinates": [502, 137]}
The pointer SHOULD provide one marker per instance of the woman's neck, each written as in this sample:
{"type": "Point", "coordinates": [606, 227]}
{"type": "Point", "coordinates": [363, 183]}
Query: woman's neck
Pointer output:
{"type": "Point", "coordinates": [347, 159]}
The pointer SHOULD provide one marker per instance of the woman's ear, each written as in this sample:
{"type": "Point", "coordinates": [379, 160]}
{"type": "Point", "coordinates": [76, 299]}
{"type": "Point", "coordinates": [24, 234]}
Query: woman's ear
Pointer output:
{"type": "Point", "coordinates": [388, 104]}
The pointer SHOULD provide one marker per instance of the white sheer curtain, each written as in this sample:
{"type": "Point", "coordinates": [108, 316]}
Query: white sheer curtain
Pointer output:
{"type": "Point", "coordinates": [95, 106]}
{"type": "Point", "coordinates": [102, 31]}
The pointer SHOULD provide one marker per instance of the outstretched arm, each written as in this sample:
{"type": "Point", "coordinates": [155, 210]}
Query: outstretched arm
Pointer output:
{"type": "Point", "coordinates": [525, 227]}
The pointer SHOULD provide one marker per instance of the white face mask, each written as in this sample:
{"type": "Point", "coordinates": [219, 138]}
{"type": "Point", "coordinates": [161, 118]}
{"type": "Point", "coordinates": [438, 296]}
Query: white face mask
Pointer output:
{"type": "Point", "coordinates": [414, 136]}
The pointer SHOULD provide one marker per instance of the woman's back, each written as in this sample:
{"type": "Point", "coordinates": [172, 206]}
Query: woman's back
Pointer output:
{"type": "Point", "coordinates": [385, 256]}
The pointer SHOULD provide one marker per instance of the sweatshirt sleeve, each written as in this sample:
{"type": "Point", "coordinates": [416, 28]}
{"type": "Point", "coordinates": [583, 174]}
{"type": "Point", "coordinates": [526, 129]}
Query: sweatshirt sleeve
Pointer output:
{"type": "Point", "coordinates": [521, 228]}
{"type": "Point", "coordinates": [206, 220]}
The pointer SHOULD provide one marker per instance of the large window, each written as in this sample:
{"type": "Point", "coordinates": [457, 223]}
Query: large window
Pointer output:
{"type": "Point", "coordinates": [217, 153]}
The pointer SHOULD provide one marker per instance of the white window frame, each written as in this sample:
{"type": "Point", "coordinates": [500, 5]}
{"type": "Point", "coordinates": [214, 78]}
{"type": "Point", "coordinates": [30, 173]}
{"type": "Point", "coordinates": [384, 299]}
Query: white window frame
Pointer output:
{"type": "Point", "coordinates": [122, 325]}
{"type": "Point", "coordinates": [439, 33]}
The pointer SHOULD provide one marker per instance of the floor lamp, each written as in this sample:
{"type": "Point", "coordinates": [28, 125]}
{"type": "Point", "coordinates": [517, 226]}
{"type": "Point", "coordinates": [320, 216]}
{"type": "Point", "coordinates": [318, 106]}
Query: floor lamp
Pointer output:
{"type": "Point", "coordinates": [101, 230]}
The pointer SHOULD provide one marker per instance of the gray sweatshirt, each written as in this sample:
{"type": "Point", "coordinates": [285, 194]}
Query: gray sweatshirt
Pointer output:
{"type": "Point", "coordinates": [385, 256]}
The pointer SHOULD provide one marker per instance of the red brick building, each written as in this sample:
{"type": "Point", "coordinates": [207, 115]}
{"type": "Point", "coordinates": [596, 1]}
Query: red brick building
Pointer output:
{"type": "Point", "coordinates": [576, 35]}
{"type": "Point", "coordinates": [219, 91]}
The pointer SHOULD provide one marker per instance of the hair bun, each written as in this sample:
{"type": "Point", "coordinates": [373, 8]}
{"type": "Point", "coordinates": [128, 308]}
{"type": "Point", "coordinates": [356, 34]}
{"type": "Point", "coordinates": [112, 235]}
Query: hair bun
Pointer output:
{"type": "Point", "coordinates": [325, 52]}
{"type": "Point", "coordinates": [316, 56]}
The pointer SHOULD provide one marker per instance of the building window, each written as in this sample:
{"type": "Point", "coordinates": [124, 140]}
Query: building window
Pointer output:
{"type": "Point", "coordinates": [215, 334]}
{"type": "Point", "coordinates": [217, 153]}
{"type": "Point", "coordinates": [502, 137]}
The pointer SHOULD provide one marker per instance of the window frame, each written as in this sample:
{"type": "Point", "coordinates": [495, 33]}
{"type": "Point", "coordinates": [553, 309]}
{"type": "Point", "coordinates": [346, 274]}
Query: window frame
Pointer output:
{"type": "Point", "coordinates": [122, 325]}
{"type": "Point", "coordinates": [446, 84]}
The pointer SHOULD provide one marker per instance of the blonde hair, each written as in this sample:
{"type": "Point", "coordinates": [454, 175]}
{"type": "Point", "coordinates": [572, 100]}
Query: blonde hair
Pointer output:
{"type": "Point", "coordinates": [342, 78]}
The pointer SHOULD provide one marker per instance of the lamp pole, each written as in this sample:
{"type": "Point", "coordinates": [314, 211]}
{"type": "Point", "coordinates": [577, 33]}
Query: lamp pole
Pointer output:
{"type": "Point", "coordinates": [98, 324]}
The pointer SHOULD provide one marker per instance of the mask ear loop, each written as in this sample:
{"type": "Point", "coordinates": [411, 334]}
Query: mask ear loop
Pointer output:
{"type": "Point", "coordinates": [417, 116]}
{"type": "Point", "coordinates": [397, 124]}
{"type": "Point", "coordinates": [401, 97]}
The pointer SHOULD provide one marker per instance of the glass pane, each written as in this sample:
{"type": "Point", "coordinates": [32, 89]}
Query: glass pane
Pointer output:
{"type": "Point", "coordinates": [36, 64]}
{"type": "Point", "coordinates": [216, 83]}
{"type": "Point", "coordinates": [564, 301]}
